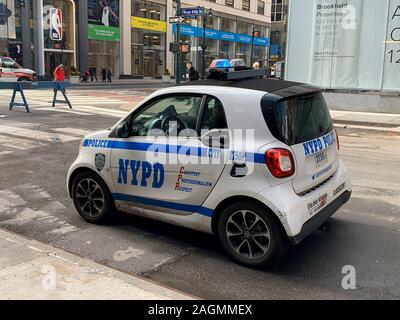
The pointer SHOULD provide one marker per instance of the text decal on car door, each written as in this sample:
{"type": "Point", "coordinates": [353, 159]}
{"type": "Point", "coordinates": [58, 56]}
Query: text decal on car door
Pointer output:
{"type": "Point", "coordinates": [155, 171]}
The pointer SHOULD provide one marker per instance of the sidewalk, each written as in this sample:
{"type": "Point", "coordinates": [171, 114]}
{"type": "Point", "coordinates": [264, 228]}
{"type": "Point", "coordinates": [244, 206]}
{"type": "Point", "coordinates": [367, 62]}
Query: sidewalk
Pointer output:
{"type": "Point", "coordinates": [365, 118]}
{"type": "Point", "coordinates": [32, 270]}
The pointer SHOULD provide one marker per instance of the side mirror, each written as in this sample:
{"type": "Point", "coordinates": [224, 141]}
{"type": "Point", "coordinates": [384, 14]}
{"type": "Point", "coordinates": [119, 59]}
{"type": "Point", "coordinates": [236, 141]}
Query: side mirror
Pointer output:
{"type": "Point", "coordinates": [122, 130]}
{"type": "Point", "coordinates": [216, 138]}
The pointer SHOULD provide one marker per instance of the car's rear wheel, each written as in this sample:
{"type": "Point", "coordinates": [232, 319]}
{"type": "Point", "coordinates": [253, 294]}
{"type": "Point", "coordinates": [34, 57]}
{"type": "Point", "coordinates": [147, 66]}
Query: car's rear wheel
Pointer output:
{"type": "Point", "coordinates": [250, 235]}
{"type": "Point", "coordinates": [92, 198]}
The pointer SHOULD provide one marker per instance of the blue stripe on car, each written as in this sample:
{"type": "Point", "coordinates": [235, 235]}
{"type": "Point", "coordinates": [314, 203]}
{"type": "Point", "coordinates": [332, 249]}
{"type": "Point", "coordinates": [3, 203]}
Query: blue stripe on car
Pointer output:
{"type": "Point", "coordinates": [164, 204]}
{"type": "Point", "coordinates": [167, 148]}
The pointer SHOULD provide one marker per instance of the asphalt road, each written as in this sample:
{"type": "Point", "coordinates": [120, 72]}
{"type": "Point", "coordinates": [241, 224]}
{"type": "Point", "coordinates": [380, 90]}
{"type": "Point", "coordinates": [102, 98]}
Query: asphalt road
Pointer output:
{"type": "Point", "coordinates": [35, 156]}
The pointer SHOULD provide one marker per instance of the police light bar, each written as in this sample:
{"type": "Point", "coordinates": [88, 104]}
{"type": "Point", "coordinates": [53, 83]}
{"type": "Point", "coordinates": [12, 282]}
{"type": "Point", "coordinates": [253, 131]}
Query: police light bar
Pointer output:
{"type": "Point", "coordinates": [242, 74]}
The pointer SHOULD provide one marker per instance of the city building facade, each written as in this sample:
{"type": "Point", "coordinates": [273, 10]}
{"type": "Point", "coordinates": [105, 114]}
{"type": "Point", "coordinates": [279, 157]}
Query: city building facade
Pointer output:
{"type": "Point", "coordinates": [279, 19]}
{"type": "Point", "coordinates": [130, 37]}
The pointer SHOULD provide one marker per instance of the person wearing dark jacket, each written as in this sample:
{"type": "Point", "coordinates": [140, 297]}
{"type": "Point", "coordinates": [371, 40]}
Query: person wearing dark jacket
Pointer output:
{"type": "Point", "coordinates": [192, 72]}
{"type": "Point", "coordinates": [103, 74]}
{"type": "Point", "coordinates": [109, 75]}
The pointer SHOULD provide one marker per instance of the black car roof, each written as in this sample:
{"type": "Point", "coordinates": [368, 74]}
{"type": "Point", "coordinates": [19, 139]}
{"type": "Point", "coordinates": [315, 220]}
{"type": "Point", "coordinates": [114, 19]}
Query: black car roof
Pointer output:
{"type": "Point", "coordinates": [277, 87]}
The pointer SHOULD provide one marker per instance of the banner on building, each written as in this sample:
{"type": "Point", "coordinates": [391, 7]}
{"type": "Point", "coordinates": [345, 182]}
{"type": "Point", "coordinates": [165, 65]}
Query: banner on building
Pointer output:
{"type": "Point", "coordinates": [336, 48]}
{"type": "Point", "coordinates": [189, 30]}
{"type": "Point", "coordinates": [7, 19]}
{"type": "Point", "coordinates": [103, 19]}
{"type": "Point", "coordinates": [148, 24]}
{"type": "Point", "coordinates": [56, 21]}
{"type": "Point", "coordinates": [391, 68]}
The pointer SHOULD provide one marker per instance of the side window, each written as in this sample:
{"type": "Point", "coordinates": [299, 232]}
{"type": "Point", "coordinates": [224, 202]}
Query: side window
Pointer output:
{"type": "Point", "coordinates": [213, 116]}
{"type": "Point", "coordinates": [8, 63]}
{"type": "Point", "coordinates": [171, 115]}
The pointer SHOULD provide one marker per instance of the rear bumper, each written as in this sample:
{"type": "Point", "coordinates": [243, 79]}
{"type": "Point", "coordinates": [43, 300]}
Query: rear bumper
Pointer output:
{"type": "Point", "coordinates": [315, 222]}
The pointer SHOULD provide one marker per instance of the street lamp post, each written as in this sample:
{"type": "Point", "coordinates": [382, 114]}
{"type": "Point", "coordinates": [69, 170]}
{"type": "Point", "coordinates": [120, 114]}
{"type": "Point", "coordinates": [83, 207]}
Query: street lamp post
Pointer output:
{"type": "Point", "coordinates": [178, 40]}
{"type": "Point", "coordinates": [252, 47]}
{"type": "Point", "coordinates": [204, 45]}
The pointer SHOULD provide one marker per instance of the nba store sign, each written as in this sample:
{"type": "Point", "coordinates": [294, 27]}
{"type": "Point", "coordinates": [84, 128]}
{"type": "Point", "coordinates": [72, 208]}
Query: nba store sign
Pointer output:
{"type": "Point", "coordinates": [56, 20]}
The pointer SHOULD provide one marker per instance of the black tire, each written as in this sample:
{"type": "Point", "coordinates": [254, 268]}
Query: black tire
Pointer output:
{"type": "Point", "coordinates": [23, 79]}
{"type": "Point", "coordinates": [103, 211]}
{"type": "Point", "coordinates": [265, 252]}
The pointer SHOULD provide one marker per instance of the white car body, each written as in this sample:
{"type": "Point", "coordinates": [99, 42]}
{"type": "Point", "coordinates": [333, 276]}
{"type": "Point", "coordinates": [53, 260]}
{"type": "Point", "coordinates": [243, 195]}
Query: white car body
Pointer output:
{"type": "Point", "coordinates": [301, 202]}
{"type": "Point", "coordinates": [10, 71]}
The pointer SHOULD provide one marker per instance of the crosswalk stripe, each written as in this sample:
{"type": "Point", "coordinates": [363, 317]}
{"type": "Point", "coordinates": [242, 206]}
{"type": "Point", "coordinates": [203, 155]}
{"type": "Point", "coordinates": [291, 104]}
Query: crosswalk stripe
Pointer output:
{"type": "Point", "coordinates": [35, 134]}
{"type": "Point", "coordinates": [19, 144]}
{"type": "Point", "coordinates": [76, 131]}
{"type": "Point", "coordinates": [57, 109]}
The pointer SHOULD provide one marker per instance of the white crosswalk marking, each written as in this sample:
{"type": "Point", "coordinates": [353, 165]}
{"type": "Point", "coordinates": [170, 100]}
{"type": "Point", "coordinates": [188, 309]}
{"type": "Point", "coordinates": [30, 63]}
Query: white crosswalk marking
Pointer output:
{"type": "Point", "coordinates": [76, 131]}
{"type": "Point", "coordinates": [17, 136]}
{"type": "Point", "coordinates": [35, 134]}
{"type": "Point", "coordinates": [82, 103]}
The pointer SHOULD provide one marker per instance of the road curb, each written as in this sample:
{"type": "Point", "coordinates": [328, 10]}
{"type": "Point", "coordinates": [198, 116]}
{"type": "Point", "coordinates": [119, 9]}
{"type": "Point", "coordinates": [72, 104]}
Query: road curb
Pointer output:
{"type": "Point", "coordinates": [33, 270]}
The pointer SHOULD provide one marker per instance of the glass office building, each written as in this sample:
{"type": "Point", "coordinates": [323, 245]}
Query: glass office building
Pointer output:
{"type": "Point", "coordinates": [345, 45]}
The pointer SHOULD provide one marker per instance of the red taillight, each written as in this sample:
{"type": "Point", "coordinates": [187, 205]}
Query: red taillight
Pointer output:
{"type": "Point", "coordinates": [280, 162]}
{"type": "Point", "coordinates": [337, 139]}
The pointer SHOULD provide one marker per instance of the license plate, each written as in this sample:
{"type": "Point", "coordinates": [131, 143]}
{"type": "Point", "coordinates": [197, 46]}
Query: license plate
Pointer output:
{"type": "Point", "coordinates": [321, 158]}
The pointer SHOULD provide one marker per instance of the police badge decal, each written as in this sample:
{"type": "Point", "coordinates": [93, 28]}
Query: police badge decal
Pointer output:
{"type": "Point", "coordinates": [100, 161]}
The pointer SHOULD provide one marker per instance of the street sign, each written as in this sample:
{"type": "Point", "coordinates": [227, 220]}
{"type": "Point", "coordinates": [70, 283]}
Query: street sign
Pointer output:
{"type": "Point", "coordinates": [56, 21]}
{"type": "Point", "coordinates": [192, 12]}
{"type": "Point", "coordinates": [176, 20]}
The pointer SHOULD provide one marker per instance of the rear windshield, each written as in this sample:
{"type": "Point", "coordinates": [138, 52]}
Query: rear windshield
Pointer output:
{"type": "Point", "coordinates": [300, 119]}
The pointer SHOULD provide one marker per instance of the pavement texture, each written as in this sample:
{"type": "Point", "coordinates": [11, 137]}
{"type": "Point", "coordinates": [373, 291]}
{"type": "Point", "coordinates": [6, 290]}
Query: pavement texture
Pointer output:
{"type": "Point", "coordinates": [37, 149]}
{"type": "Point", "coordinates": [32, 270]}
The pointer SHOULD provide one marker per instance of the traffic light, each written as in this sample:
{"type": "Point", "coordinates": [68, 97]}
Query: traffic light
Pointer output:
{"type": "Point", "coordinates": [256, 34]}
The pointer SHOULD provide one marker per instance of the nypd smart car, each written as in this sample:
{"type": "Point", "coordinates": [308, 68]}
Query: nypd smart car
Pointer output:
{"type": "Point", "coordinates": [253, 161]}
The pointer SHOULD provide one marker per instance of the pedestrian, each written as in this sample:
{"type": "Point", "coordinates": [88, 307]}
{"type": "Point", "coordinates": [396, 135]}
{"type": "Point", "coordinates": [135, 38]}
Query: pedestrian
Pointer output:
{"type": "Point", "coordinates": [94, 74]}
{"type": "Point", "coordinates": [273, 73]}
{"type": "Point", "coordinates": [59, 73]}
{"type": "Point", "coordinates": [86, 76]}
{"type": "Point", "coordinates": [192, 72]}
{"type": "Point", "coordinates": [103, 74]}
{"type": "Point", "coordinates": [59, 76]}
{"type": "Point", "coordinates": [109, 75]}
{"type": "Point", "coordinates": [256, 65]}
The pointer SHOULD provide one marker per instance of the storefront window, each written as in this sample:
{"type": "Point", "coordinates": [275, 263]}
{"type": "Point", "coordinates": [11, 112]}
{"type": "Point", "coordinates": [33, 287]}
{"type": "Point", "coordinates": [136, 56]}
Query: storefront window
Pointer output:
{"type": "Point", "coordinates": [103, 55]}
{"type": "Point", "coordinates": [148, 38]}
{"type": "Point", "coordinates": [244, 28]}
{"type": "Point", "coordinates": [58, 52]}
{"type": "Point", "coordinates": [67, 42]}
{"type": "Point", "coordinates": [228, 25]}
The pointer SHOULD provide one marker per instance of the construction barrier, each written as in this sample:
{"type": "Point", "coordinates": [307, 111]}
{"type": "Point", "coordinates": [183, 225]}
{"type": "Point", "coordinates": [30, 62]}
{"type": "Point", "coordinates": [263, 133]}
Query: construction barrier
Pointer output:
{"type": "Point", "coordinates": [19, 87]}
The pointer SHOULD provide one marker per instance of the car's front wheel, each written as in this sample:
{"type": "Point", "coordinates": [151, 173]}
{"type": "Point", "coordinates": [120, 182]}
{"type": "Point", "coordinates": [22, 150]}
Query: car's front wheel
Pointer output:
{"type": "Point", "coordinates": [92, 198]}
{"type": "Point", "coordinates": [250, 235]}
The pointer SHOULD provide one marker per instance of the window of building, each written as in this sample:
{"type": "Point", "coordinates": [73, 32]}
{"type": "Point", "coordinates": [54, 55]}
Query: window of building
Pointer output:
{"type": "Point", "coordinates": [277, 11]}
{"type": "Point", "coordinates": [260, 7]}
{"type": "Point", "coordinates": [149, 10]}
{"type": "Point", "coordinates": [246, 5]}
{"type": "Point", "coordinates": [230, 3]}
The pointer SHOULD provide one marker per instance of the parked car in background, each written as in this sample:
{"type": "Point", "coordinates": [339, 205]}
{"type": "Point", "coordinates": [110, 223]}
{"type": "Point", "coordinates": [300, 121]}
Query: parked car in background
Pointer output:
{"type": "Point", "coordinates": [11, 71]}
